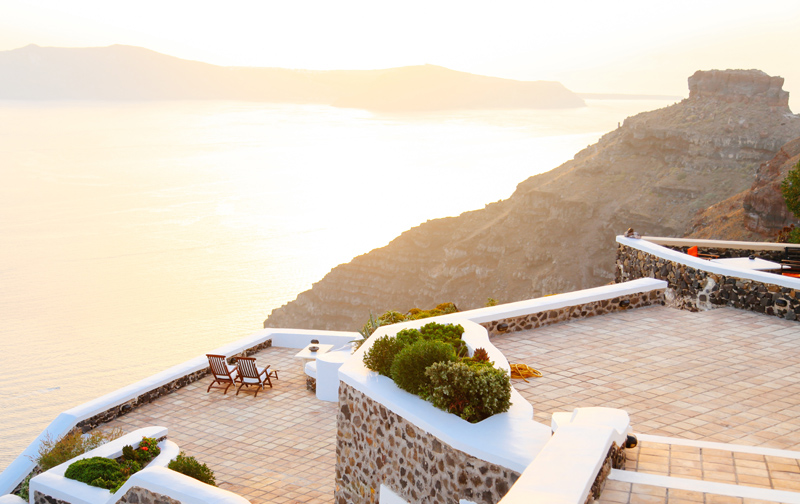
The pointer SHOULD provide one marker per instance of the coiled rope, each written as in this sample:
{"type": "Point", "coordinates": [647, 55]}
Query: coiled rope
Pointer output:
{"type": "Point", "coordinates": [522, 371]}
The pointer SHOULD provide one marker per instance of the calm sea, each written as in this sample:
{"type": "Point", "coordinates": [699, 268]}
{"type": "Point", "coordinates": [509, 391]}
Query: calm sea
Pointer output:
{"type": "Point", "coordinates": [136, 236]}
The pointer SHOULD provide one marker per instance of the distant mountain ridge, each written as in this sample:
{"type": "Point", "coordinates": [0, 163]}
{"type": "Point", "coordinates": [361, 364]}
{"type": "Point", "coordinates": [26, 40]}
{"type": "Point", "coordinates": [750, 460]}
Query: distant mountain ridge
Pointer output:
{"type": "Point", "coordinates": [556, 232]}
{"type": "Point", "coordinates": [121, 72]}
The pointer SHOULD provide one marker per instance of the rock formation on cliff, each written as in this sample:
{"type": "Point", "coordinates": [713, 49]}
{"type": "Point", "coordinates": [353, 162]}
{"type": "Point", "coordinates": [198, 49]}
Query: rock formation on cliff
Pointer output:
{"type": "Point", "coordinates": [556, 232]}
{"type": "Point", "coordinates": [758, 213]}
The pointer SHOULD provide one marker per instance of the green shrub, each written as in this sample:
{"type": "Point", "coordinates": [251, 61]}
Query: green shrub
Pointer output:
{"type": "Point", "coordinates": [24, 487]}
{"type": "Point", "coordinates": [789, 234]}
{"type": "Point", "coordinates": [471, 392]}
{"type": "Point", "coordinates": [381, 354]}
{"type": "Point", "coordinates": [191, 467]}
{"type": "Point", "coordinates": [441, 309]}
{"type": "Point", "coordinates": [790, 189]}
{"type": "Point", "coordinates": [480, 357]}
{"type": "Point", "coordinates": [148, 450]}
{"type": "Point", "coordinates": [391, 317]}
{"type": "Point", "coordinates": [53, 452]}
{"type": "Point", "coordinates": [97, 471]}
{"type": "Point", "coordinates": [408, 368]}
{"type": "Point", "coordinates": [394, 317]}
{"type": "Point", "coordinates": [129, 468]}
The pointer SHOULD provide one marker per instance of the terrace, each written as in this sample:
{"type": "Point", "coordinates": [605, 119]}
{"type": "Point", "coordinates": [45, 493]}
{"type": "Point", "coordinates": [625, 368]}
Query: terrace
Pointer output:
{"type": "Point", "coordinates": [714, 397]}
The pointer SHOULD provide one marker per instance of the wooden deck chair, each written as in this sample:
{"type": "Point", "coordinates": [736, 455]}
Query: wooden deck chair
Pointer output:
{"type": "Point", "coordinates": [222, 372]}
{"type": "Point", "coordinates": [251, 374]}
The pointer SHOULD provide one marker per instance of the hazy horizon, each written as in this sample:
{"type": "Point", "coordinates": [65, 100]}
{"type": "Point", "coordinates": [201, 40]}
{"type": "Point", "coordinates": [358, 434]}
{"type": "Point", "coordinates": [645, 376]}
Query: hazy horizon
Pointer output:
{"type": "Point", "coordinates": [589, 47]}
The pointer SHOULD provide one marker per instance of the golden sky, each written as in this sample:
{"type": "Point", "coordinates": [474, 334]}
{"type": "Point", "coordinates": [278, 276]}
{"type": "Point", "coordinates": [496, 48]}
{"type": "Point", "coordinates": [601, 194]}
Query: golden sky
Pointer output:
{"type": "Point", "coordinates": [590, 46]}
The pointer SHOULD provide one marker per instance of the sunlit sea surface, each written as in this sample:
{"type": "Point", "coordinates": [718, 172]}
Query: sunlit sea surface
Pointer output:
{"type": "Point", "coordinates": [136, 236]}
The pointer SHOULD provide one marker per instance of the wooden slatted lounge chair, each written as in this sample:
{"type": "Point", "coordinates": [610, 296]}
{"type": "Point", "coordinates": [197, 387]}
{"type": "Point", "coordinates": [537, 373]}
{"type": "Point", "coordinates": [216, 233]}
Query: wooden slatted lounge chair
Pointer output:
{"type": "Point", "coordinates": [222, 372]}
{"type": "Point", "coordinates": [251, 374]}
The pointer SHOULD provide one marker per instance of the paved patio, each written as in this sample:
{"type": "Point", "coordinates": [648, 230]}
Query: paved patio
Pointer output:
{"type": "Point", "coordinates": [726, 375]}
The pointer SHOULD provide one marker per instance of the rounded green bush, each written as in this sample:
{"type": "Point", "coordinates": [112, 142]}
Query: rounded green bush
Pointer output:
{"type": "Point", "coordinates": [96, 471]}
{"type": "Point", "coordinates": [408, 368]}
{"type": "Point", "coordinates": [191, 467]}
{"type": "Point", "coordinates": [381, 354]}
{"type": "Point", "coordinates": [473, 392]}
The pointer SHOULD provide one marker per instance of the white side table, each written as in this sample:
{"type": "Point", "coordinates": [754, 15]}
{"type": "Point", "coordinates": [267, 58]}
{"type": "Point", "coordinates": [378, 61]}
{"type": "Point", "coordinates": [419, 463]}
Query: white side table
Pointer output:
{"type": "Point", "coordinates": [307, 355]}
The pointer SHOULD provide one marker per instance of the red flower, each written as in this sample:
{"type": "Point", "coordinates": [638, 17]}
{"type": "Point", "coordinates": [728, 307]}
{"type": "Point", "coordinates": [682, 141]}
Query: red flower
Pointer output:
{"type": "Point", "coordinates": [143, 448]}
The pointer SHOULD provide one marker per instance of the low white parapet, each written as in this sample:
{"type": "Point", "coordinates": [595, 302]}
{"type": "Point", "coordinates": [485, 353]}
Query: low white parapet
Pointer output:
{"type": "Point", "coordinates": [180, 487]}
{"type": "Point", "coordinates": [646, 245]}
{"type": "Point", "coordinates": [155, 478]}
{"type": "Point", "coordinates": [566, 468]}
{"type": "Point", "coordinates": [55, 484]}
{"type": "Point", "coordinates": [327, 373]}
{"type": "Point", "coordinates": [722, 244]}
{"type": "Point", "coordinates": [556, 301]}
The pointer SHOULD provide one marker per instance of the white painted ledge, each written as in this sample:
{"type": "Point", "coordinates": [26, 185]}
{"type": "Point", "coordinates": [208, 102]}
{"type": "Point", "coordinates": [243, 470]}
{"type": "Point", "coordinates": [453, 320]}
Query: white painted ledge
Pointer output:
{"type": "Point", "coordinates": [564, 471]}
{"type": "Point", "coordinates": [12, 499]}
{"type": "Point", "coordinates": [554, 302]}
{"type": "Point", "coordinates": [705, 265]}
{"type": "Point", "coordinates": [729, 244]}
{"type": "Point", "coordinates": [55, 484]}
{"type": "Point", "coordinates": [179, 487]}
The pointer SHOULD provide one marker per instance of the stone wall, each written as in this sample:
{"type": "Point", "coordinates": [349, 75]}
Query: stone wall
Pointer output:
{"type": "Point", "coordinates": [134, 495]}
{"type": "Point", "coordinates": [40, 498]}
{"type": "Point", "coordinates": [547, 317]}
{"type": "Point", "coordinates": [375, 446]}
{"type": "Point", "coordinates": [693, 289]}
{"type": "Point", "coordinates": [149, 396]}
{"type": "Point", "coordinates": [139, 495]}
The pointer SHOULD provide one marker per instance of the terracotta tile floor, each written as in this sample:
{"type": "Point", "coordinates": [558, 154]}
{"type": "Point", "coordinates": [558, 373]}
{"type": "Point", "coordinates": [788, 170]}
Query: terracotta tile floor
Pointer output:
{"type": "Point", "coordinates": [726, 375]}
{"type": "Point", "coordinates": [278, 447]}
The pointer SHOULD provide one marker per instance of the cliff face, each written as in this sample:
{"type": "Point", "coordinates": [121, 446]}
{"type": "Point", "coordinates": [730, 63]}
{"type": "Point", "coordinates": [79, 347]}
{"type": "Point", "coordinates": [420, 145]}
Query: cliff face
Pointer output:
{"type": "Point", "coordinates": [556, 232]}
{"type": "Point", "coordinates": [757, 213]}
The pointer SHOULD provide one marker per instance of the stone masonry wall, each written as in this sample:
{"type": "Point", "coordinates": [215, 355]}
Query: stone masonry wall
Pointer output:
{"type": "Point", "coordinates": [40, 498]}
{"type": "Point", "coordinates": [375, 446]}
{"type": "Point", "coordinates": [693, 289]}
{"type": "Point", "coordinates": [139, 495]}
{"type": "Point", "coordinates": [547, 317]}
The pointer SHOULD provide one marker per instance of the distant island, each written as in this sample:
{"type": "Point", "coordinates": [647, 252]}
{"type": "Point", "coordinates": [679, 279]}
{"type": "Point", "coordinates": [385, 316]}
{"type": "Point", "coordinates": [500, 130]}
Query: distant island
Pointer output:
{"type": "Point", "coordinates": [121, 72]}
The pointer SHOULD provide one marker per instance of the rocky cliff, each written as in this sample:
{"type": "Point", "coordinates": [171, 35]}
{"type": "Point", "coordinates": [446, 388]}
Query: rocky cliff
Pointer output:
{"type": "Point", "coordinates": [757, 213]}
{"type": "Point", "coordinates": [556, 232]}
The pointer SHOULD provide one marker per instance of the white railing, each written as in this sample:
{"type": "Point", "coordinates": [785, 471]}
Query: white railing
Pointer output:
{"type": "Point", "coordinates": [654, 248]}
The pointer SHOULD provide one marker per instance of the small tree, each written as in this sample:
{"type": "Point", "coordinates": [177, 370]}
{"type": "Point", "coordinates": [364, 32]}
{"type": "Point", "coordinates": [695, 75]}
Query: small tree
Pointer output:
{"type": "Point", "coordinates": [790, 188]}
